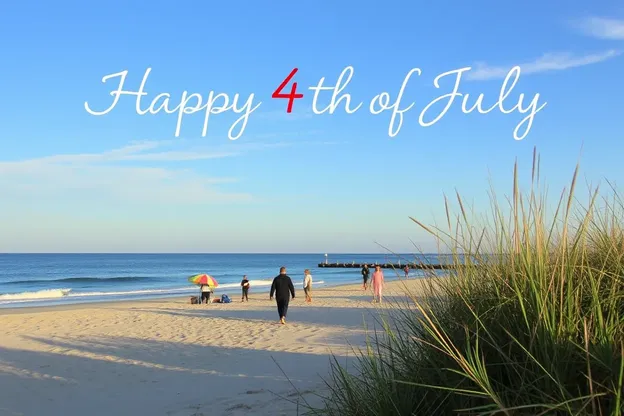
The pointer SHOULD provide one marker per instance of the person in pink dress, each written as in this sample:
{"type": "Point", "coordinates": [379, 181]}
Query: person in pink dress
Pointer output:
{"type": "Point", "coordinates": [378, 282]}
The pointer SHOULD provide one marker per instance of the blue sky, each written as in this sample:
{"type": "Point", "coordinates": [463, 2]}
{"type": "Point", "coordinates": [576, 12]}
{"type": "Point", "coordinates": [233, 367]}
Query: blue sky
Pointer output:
{"type": "Point", "coordinates": [299, 182]}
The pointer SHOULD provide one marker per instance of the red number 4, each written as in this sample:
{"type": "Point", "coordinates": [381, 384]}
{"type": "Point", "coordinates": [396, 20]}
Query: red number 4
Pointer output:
{"type": "Point", "coordinates": [293, 91]}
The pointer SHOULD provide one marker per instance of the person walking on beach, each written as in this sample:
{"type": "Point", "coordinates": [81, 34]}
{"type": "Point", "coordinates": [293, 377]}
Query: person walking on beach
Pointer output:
{"type": "Point", "coordinates": [282, 288]}
{"type": "Point", "coordinates": [378, 282]}
{"type": "Point", "coordinates": [245, 287]}
{"type": "Point", "coordinates": [365, 273]}
{"type": "Point", "coordinates": [307, 285]}
{"type": "Point", "coordinates": [406, 270]}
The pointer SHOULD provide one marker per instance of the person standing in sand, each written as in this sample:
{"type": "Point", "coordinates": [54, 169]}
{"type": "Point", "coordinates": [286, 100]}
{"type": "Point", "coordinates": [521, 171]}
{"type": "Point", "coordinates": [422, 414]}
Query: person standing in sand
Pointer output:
{"type": "Point", "coordinates": [282, 288]}
{"type": "Point", "coordinates": [245, 287]}
{"type": "Point", "coordinates": [365, 273]}
{"type": "Point", "coordinates": [205, 290]}
{"type": "Point", "coordinates": [307, 285]}
{"type": "Point", "coordinates": [378, 282]}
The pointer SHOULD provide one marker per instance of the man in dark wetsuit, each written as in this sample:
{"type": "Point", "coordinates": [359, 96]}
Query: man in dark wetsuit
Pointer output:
{"type": "Point", "coordinates": [365, 273]}
{"type": "Point", "coordinates": [282, 287]}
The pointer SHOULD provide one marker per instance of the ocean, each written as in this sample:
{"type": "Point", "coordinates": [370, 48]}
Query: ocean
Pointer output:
{"type": "Point", "coordinates": [51, 279]}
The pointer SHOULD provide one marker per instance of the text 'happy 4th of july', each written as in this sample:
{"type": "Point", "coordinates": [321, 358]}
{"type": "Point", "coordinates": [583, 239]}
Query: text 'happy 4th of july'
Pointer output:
{"type": "Point", "coordinates": [340, 99]}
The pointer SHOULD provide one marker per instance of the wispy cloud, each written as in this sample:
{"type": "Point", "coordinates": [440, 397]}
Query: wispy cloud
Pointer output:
{"type": "Point", "coordinates": [109, 175]}
{"type": "Point", "coordinates": [601, 27]}
{"type": "Point", "coordinates": [145, 172]}
{"type": "Point", "coordinates": [548, 62]}
{"type": "Point", "coordinates": [135, 152]}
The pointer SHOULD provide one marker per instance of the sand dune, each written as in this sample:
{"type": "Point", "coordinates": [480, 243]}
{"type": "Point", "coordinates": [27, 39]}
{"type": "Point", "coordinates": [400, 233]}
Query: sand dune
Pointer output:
{"type": "Point", "coordinates": [168, 357]}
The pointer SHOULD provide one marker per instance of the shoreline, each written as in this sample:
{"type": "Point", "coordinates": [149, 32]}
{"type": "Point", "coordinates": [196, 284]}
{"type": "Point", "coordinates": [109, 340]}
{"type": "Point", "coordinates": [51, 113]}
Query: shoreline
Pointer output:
{"type": "Point", "coordinates": [9, 310]}
{"type": "Point", "coordinates": [49, 303]}
{"type": "Point", "coordinates": [184, 299]}
{"type": "Point", "coordinates": [170, 357]}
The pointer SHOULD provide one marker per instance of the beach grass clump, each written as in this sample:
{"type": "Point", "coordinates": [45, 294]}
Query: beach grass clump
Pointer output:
{"type": "Point", "coordinates": [529, 322]}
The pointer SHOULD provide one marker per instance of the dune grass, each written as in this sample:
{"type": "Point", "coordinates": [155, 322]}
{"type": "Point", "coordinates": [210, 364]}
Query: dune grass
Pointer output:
{"type": "Point", "coordinates": [530, 323]}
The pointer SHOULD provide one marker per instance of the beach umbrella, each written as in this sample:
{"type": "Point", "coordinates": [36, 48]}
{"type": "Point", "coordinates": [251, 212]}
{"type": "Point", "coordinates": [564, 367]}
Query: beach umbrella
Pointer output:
{"type": "Point", "coordinates": [203, 279]}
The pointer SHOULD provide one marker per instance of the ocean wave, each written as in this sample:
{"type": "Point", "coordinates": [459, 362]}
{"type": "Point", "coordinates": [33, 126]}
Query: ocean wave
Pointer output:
{"type": "Point", "coordinates": [60, 294]}
{"type": "Point", "coordinates": [82, 280]}
{"type": "Point", "coordinates": [51, 294]}
{"type": "Point", "coordinates": [38, 295]}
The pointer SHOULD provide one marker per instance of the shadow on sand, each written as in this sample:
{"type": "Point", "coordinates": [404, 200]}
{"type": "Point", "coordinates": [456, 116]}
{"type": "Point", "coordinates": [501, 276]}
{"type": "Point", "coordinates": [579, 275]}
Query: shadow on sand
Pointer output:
{"type": "Point", "coordinates": [131, 376]}
{"type": "Point", "coordinates": [127, 376]}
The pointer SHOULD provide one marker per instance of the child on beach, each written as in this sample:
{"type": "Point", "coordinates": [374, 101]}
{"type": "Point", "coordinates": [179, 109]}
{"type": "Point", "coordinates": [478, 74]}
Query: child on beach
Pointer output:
{"type": "Point", "coordinates": [307, 285]}
{"type": "Point", "coordinates": [378, 282]}
{"type": "Point", "coordinates": [245, 286]}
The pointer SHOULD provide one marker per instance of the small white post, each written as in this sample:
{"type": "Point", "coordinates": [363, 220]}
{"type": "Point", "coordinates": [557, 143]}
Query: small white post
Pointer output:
{"type": "Point", "coordinates": [326, 258]}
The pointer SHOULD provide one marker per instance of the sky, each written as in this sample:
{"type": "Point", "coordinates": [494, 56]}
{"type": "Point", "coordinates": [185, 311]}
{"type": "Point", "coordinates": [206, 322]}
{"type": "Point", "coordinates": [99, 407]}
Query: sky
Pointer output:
{"type": "Point", "coordinates": [71, 181]}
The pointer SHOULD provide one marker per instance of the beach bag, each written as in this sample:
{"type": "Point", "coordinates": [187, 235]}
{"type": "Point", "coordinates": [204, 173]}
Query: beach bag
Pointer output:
{"type": "Point", "coordinates": [225, 299]}
{"type": "Point", "coordinates": [194, 300]}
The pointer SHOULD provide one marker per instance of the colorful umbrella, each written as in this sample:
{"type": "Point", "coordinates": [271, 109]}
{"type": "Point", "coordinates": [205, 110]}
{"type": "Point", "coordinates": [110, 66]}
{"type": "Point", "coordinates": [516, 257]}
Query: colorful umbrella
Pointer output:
{"type": "Point", "coordinates": [203, 279]}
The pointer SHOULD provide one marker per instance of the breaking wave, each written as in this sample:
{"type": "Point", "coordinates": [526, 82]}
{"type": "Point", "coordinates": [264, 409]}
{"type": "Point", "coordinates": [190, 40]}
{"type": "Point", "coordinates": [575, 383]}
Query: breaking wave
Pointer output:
{"type": "Point", "coordinates": [83, 280]}
{"type": "Point", "coordinates": [60, 294]}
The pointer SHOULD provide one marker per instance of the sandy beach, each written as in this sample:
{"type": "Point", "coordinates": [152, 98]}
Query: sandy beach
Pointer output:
{"type": "Point", "coordinates": [168, 357]}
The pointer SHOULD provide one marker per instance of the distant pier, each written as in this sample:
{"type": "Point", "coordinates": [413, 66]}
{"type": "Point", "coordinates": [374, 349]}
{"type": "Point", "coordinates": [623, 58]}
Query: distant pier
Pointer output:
{"type": "Point", "coordinates": [416, 266]}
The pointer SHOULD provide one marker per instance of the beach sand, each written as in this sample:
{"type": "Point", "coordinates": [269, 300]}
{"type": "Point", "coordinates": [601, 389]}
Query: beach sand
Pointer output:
{"type": "Point", "coordinates": [168, 357]}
